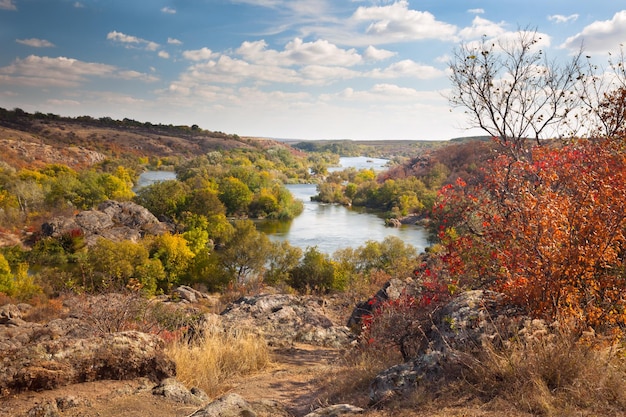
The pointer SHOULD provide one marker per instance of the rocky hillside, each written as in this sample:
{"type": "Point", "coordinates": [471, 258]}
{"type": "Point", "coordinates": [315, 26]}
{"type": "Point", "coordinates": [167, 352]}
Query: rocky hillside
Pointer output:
{"type": "Point", "coordinates": [32, 140]}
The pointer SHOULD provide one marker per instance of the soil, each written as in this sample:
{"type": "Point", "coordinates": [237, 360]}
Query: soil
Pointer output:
{"type": "Point", "coordinates": [300, 378]}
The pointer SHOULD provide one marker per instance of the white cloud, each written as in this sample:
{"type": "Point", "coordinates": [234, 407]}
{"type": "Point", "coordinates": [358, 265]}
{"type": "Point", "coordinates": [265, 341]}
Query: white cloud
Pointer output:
{"type": "Point", "coordinates": [7, 5]}
{"type": "Point", "coordinates": [482, 27]}
{"type": "Point", "coordinates": [63, 103]}
{"type": "Point", "coordinates": [323, 75]}
{"type": "Point", "coordinates": [132, 41]}
{"type": "Point", "coordinates": [79, 5]}
{"type": "Point", "coordinates": [233, 71]}
{"type": "Point", "coordinates": [203, 54]}
{"type": "Point", "coordinates": [396, 22]}
{"type": "Point", "coordinates": [298, 52]}
{"type": "Point", "coordinates": [372, 53]}
{"type": "Point", "coordinates": [36, 71]}
{"type": "Point", "coordinates": [168, 10]}
{"type": "Point", "coordinates": [163, 54]}
{"type": "Point", "coordinates": [600, 36]}
{"type": "Point", "coordinates": [35, 43]}
{"type": "Point", "coordinates": [476, 11]}
{"type": "Point", "coordinates": [559, 18]}
{"type": "Point", "coordinates": [174, 41]}
{"type": "Point", "coordinates": [407, 68]}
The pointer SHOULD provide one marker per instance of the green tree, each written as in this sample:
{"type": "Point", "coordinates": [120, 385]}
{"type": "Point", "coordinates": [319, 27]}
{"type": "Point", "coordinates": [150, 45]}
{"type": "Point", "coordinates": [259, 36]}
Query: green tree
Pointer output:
{"type": "Point", "coordinates": [282, 258]}
{"type": "Point", "coordinates": [235, 195]}
{"type": "Point", "coordinates": [245, 254]}
{"type": "Point", "coordinates": [316, 272]}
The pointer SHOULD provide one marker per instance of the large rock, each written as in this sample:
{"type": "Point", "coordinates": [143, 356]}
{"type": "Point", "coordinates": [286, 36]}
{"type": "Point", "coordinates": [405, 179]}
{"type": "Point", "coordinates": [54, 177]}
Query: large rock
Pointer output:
{"type": "Point", "coordinates": [285, 319]}
{"type": "Point", "coordinates": [234, 405]}
{"type": "Point", "coordinates": [392, 290]}
{"type": "Point", "coordinates": [112, 220]}
{"type": "Point", "coordinates": [58, 359]}
{"type": "Point", "coordinates": [457, 331]}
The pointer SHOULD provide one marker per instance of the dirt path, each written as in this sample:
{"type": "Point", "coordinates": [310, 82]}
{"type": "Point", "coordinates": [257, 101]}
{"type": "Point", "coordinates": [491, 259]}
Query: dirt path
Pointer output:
{"type": "Point", "coordinates": [293, 380]}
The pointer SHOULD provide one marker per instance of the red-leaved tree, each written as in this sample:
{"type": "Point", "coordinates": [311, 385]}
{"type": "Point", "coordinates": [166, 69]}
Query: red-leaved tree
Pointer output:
{"type": "Point", "coordinates": [549, 231]}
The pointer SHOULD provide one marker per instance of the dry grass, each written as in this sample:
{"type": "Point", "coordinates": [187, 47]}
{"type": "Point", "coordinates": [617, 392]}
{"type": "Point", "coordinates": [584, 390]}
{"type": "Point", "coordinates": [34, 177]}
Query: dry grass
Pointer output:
{"type": "Point", "coordinates": [217, 357]}
{"type": "Point", "coordinates": [552, 375]}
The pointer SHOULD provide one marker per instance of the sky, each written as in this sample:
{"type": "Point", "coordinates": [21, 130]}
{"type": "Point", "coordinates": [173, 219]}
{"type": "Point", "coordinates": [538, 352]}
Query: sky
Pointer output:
{"type": "Point", "coordinates": [290, 69]}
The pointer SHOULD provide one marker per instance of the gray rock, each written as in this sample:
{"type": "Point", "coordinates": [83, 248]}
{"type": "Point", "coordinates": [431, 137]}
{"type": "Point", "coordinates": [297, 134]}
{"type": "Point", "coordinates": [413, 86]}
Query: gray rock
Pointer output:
{"type": "Point", "coordinates": [171, 389]}
{"type": "Point", "coordinates": [112, 220]}
{"type": "Point", "coordinates": [285, 319]}
{"type": "Point", "coordinates": [336, 411]}
{"type": "Point", "coordinates": [9, 312]}
{"type": "Point", "coordinates": [231, 405]}
{"type": "Point", "coordinates": [64, 360]}
{"type": "Point", "coordinates": [458, 330]}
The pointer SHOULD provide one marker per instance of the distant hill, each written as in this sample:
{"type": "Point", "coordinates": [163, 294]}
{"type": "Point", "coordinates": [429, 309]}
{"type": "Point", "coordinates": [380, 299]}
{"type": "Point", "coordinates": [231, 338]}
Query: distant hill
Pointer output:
{"type": "Point", "coordinates": [37, 139]}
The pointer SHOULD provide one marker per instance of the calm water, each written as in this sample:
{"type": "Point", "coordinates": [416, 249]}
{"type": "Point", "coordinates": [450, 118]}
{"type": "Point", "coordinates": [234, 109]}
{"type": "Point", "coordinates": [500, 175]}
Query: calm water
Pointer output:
{"type": "Point", "coordinates": [327, 226]}
{"type": "Point", "coordinates": [331, 227]}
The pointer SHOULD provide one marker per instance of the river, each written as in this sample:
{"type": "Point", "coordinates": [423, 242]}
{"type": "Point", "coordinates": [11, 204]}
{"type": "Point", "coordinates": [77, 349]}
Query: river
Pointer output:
{"type": "Point", "coordinates": [327, 226]}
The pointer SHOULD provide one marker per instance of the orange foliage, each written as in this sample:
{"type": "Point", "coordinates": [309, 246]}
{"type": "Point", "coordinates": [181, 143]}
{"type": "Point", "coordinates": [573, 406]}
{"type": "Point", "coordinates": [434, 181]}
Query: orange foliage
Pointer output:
{"type": "Point", "coordinates": [549, 231]}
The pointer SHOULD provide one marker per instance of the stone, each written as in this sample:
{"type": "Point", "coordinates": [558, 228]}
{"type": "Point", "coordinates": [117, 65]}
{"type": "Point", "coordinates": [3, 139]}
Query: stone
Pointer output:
{"type": "Point", "coordinates": [285, 319]}
{"type": "Point", "coordinates": [51, 363]}
{"type": "Point", "coordinates": [173, 390]}
{"type": "Point", "coordinates": [230, 405]}
{"type": "Point", "coordinates": [113, 220]}
{"type": "Point", "coordinates": [336, 411]}
{"type": "Point", "coordinates": [458, 329]}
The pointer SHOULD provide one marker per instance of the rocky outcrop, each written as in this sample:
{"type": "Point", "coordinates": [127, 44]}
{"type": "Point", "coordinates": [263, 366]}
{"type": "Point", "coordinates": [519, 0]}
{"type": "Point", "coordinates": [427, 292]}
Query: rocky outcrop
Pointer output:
{"type": "Point", "coordinates": [112, 220]}
{"type": "Point", "coordinates": [457, 330]}
{"type": "Point", "coordinates": [234, 405]}
{"type": "Point", "coordinates": [285, 319]}
{"type": "Point", "coordinates": [37, 356]}
{"type": "Point", "coordinates": [392, 290]}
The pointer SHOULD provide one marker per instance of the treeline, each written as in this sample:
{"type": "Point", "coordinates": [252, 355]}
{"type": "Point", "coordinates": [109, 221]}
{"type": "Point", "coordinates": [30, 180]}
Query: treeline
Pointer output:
{"type": "Point", "coordinates": [19, 118]}
{"type": "Point", "coordinates": [410, 187]}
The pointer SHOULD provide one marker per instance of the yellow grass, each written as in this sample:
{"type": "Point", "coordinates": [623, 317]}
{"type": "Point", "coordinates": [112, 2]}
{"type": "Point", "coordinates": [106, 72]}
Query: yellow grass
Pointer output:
{"type": "Point", "coordinates": [218, 357]}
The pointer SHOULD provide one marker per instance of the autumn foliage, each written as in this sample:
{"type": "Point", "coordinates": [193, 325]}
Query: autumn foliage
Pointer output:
{"type": "Point", "coordinates": [548, 230]}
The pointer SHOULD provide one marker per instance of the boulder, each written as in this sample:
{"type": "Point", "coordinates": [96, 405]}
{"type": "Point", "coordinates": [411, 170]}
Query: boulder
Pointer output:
{"type": "Point", "coordinates": [65, 360]}
{"type": "Point", "coordinates": [336, 411]}
{"type": "Point", "coordinates": [457, 330]}
{"type": "Point", "coordinates": [234, 405]}
{"type": "Point", "coordinates": [392, 290]}
{"type": "Point", "coordinates": [173, 390]}
{"type": "Point", "coordinates": [284, 319]}
{"type": "Point", "coordinates": [112, 220]}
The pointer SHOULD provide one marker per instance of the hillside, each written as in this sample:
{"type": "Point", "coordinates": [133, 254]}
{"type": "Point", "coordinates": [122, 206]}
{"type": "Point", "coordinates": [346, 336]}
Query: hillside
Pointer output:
{"type": "Point", "coordinates": [37, 139]}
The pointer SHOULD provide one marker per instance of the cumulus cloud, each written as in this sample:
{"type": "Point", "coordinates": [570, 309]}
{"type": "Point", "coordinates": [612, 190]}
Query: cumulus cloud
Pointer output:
{"type": "Point", "coordinates": [163, 54]}
{"type": "Point", "coordinates": [174, 41]}
{"type": "Point", "coordinates": [476, 11]}
{"type": "Point", "coordinates": [7, 5]}
{"type": "Point", "coordinates": [203, 54]}
{"type": "Point", "coordinates": [229, 70]}
{"type": "Point", "coordinates": [482, 27]}
{"type": "Point", "coordinates": [37, 71]}
{"type": "Point", "coordinates": [396, 22]}
{"type": "Point", "coordinates": [600, 36]}
{"type": "Point", "coordinates": [35, 43]}
{"type": "Point", "coordinates": [132, 41]}
{"type": "Point", "coordinates": [372, 53]}
{"type": "Point", "coordinates": [298, 52]}
{"type": "Point", "coordinates": [559, 18]}
{"type": "Point", "coordinates": [407, 68]}
{"type": "Point", "coordinates": [168, 10]}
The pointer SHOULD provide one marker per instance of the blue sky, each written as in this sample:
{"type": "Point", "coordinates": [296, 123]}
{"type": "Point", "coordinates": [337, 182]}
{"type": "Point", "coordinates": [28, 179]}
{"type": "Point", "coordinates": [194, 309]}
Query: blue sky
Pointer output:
{"type": "Point", "coordinates": [306, 69]}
